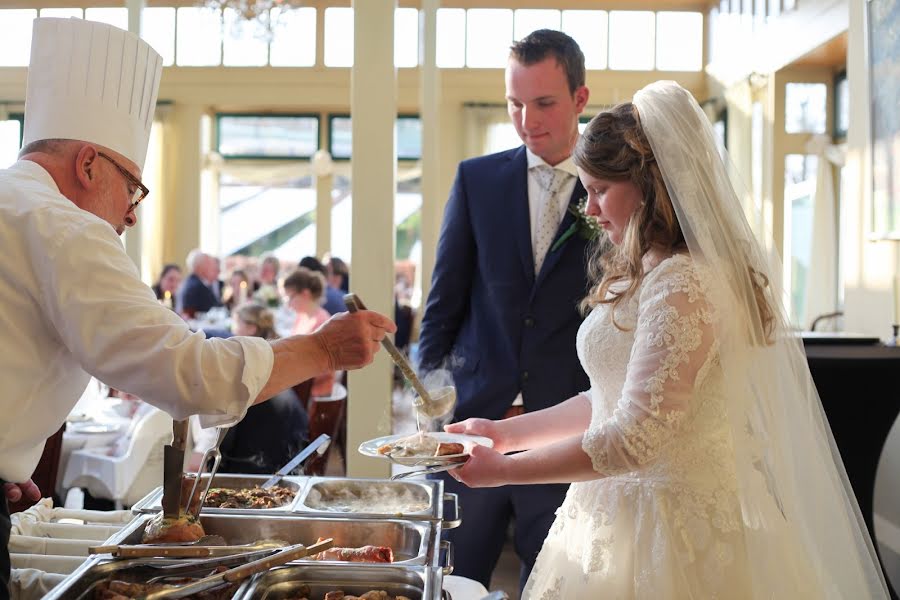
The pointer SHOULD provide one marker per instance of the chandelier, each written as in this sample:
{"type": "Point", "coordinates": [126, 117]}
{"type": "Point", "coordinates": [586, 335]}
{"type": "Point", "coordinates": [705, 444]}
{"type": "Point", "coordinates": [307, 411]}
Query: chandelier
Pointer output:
{"type": "Point", "coordinates": [262, 14]}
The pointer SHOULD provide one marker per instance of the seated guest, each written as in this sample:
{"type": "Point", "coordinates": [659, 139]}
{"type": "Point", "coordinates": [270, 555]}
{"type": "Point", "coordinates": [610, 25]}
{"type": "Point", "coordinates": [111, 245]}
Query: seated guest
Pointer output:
{"type": "Point", "coordinates": [168, 281]}
{"type": "Point", "coordinates": [265, 289]}
{"type": "Point", "coordinates": [196, 294]}
{"type": "Point", "coordinates": [334, 298]}
{"type": "Point", "coordinates": [272, 432]}
{"type": "Point", "coordinates": [337, 274]}
{"type": "Point", "coordinates": [238, 290]}
{"type": "Point", "coordinates": [303, 291]}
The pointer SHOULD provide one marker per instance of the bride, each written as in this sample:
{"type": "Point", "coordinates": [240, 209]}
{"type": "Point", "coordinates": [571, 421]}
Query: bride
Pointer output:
{"type": "Point", "coordinates": [704, 464]}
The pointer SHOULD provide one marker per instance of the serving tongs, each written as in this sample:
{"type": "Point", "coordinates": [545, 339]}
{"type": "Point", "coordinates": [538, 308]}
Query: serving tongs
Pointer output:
{"type": "Point", "coordinates": [242, 572]}
{"type": "Point", "coordinates": [191, 550]}
{"type": "Point", "coordinates": [213, 455]}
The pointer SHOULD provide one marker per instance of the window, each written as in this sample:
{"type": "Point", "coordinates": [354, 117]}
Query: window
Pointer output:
{"type": "Point", "coordinates": [527, 20]}
{"type": "Point", "coordinates": [406, 37]}
{"type": "Point", "coordinates": [631, 40]}
{"type": "Point", "coordinates": [488, 37]}
{"type": "Point", "coordinates": [10, 140]}
{"type": "Point", "coordinates": [62, 13]}
{"type": "Point", "coordinates": [841, 106]}
{"type": "Point", "coordinates": [338, 37]}
{"type": "Point", "coordinates": [409, 137]}
{"type": "Point", "coordinates": [451, 38]}
{"type": "Point", "coordinates": [679, 41]}
{"type": "Point", "coordinates": [408, 130]}
{"type": "Point", "coordinates": [294, 41]}
{"type": "Point", "coordinates": [15, 43]}
{"type": "Point", "coordinates": [799, 187]}
{"type": "Point", "coordinates": [267, 136]}
{"type": "Point", "coordinates": [199, 37]}
{"type": "Point", "coordinates": [804, 107]}
{"type": "Point", "coordinates": [245, 43]}
{"type": "Point", "coordinates": [158, 29]}
{"type": "Point", "coordinates": [117, 17]}
{"type": "Point", "coordinates": [590, 29]}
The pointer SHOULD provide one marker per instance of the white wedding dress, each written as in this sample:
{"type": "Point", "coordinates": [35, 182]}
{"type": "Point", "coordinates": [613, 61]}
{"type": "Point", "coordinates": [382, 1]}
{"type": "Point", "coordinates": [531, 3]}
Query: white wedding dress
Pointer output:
{"type": "Point", "coordinates": [663, 520]}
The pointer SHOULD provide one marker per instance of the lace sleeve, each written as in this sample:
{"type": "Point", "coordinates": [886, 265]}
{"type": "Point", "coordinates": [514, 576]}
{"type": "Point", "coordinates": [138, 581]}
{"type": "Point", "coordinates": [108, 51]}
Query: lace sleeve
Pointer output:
{"type": "Point", "coordinates": [673, 339]}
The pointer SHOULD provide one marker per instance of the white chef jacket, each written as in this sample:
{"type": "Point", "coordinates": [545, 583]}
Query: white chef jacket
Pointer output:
{"type": "Point", "coordinates": [72, 305]}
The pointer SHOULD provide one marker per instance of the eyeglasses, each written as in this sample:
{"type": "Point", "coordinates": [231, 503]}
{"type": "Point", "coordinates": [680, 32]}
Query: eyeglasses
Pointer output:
{"type": "Point", "coordinates": [140, 190]}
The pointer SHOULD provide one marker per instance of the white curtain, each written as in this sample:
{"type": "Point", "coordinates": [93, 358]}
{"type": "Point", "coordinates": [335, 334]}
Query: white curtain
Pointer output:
{"type": "Point", "coordinates": [821, 286]}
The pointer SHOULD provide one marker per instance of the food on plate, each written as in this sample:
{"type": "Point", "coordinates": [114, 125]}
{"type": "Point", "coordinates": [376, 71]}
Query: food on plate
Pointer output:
{"type": "Point", "coordinates": [363, 554]}
{"type": "Point", "coordinates": [173, 530]}
{"type": "Point", "coordinates": [420, 444]}
{"type": "Point", "coordinates": [255, 497]}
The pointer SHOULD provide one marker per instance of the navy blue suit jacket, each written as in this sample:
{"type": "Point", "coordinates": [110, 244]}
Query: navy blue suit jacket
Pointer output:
{"type": "Point", "coordinates": [194, 295]}
{"type": "Point", "coordinates": [498, 328]}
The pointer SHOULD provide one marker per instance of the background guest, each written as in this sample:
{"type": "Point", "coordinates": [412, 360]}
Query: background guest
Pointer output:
{"type": "Point", "coordinates": [303, 291]}
{"type": "Point", "coordinates": [337, 273]}
{"type": "Point", "coordinates": [238, 290]}
{"type": "Point", "coordinates": [334, 297]}
{"type": "Point", "coordinates": [168, 281]}
{"type": "Point", "coordinates": [196, 295]}
{"type": "Point", "coordinates": [265, 290]}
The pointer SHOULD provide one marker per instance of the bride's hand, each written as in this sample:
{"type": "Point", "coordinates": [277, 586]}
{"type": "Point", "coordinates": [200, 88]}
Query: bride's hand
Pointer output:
{"type": "Point", "coordinates": [483, 427]}
{"type": "Point", "coordinates": [485, 468]}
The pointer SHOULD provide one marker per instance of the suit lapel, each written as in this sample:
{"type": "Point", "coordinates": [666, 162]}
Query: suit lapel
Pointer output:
{"type": "Point", "coordinates": [519, 212]}
{"type": "Point", "coordinates": [553, 257]}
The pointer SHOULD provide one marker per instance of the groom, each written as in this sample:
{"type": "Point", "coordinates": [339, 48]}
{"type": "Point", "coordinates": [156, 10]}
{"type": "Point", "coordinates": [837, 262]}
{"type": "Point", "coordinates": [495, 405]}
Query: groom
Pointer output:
{"type": "Point", "coordinates": [502, 313]}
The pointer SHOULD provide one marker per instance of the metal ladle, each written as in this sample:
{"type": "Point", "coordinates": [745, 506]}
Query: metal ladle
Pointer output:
{"type": "Point", "coordinates": [431, 405]}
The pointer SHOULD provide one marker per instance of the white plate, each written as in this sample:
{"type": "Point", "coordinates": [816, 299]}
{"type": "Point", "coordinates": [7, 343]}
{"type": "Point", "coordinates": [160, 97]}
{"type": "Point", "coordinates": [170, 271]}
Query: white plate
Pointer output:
{"type": "Point", "coordinates": [370, 448]}
{"type": "Point", "coordinates": [92, 427]}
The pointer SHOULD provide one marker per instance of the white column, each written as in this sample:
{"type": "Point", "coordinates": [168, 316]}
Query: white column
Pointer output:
{"type": "Point", "coordinates": [373, 104]}
{"type": "Point", "coordinates": [323, 169]}
{"type": "Point", "coordinates": [430, 102]}
{"type": "Point", "coordinates": [133, 238]}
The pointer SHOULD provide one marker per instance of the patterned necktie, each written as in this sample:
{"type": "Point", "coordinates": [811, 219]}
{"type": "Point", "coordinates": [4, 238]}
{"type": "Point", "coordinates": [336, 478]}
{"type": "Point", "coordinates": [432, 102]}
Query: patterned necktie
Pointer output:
{"type": "Point", "coordinates": [550, 180]}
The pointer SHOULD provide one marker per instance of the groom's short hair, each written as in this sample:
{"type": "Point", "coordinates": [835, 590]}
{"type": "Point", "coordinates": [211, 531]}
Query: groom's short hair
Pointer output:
{"type": "Point", "coordinates": [541, 43]}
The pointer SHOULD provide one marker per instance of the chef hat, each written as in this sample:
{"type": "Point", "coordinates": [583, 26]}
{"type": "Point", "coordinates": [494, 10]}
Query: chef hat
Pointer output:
{"type": "Point", "coordinates": [92, 82]}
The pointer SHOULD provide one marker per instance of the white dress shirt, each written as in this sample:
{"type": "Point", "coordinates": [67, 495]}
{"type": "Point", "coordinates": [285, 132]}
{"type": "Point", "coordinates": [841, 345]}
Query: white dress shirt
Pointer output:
{"type": "Point", "coordinates": [72, 305]}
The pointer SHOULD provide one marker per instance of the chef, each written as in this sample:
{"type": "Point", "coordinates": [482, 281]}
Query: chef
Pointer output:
{"type": "Point", "coordinates": [72, 304]}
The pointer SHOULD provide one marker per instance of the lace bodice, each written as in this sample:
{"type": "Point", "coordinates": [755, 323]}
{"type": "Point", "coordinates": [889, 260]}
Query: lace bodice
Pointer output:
{"type": "Point", "coordinates": [656, 396]}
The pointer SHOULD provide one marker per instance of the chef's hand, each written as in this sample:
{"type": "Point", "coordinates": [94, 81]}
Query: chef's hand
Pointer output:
{"type": "Point", "coordinates": [485, 468]}
{"type": "Point", "coordinates": [351, 340]}
{"type": "Point", "coordinates": [483, 427]}
{"type": "Point", "coordinates": [15, 491]}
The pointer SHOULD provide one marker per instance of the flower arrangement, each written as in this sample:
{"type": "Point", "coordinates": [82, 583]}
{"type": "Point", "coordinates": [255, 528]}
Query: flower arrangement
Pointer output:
{"type": "Point", "coordinates": [267, 295]}
{"type": "Point", "coordinates": [585, 225]}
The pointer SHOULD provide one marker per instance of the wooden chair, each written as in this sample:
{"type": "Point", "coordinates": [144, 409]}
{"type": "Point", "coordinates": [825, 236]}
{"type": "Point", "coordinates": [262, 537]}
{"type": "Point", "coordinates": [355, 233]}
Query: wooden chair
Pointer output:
{"type": "Point", "coordinates": [326, 415]}
{"type": "Point", "coordinates": [45, 473]}
{"type": "Point", "coordinates": [303, 392]}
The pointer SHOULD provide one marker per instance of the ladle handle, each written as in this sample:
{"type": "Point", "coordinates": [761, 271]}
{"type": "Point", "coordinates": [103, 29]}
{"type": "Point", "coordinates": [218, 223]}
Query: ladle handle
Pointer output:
{"type": "Point", "coordinates": [354, 304]}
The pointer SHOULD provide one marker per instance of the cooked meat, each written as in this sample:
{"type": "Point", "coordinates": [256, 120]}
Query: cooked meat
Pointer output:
{"type": "Point", "coordinates": [160, 530]}
{"type": "Point", "coordinates": [249, 497]}
{"type": "Point", "coordinates": [113, 589]}
{"type": "Point", "coordinates": [366, 554]}
{"type": "Point", "coordinates": [446, 448]}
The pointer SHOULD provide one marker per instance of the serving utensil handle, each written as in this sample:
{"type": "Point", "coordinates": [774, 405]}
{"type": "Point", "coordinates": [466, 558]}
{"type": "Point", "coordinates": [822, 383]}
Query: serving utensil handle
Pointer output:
{"type": "Point", "coordinates": [285, 556]}
{"type": "Point", "coordinates": [354, 304]}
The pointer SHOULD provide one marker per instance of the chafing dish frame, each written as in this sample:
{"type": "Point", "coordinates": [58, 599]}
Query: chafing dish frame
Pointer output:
{"type": "Point", "coordinates": [152, 502]}
{"type": "Point", "coordinates": [417, 542]}
{"type": "Point", "coordinates": [433, 488]}
{"type": "Point", "coordinates": [419, 583]}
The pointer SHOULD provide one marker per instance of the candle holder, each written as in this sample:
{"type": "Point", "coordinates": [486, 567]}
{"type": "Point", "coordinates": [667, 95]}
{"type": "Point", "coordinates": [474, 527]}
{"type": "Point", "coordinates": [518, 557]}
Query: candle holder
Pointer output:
{"type": "Point", "coordinates": [894, 340]}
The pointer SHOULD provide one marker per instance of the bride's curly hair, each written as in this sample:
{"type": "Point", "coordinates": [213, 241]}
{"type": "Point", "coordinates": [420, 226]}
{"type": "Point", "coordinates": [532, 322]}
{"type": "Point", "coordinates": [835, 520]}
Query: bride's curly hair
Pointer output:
{"type": "Point", "coordinates": [613, 147]}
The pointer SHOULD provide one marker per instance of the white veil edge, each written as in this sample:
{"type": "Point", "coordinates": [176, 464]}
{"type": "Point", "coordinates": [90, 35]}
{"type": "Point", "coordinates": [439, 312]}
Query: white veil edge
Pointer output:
{"type": "Point", "coordinates": [804, 534]}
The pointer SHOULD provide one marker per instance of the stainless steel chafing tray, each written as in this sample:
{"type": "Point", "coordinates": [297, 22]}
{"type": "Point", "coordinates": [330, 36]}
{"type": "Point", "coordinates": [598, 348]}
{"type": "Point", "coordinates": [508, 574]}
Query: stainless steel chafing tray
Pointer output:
{"type": "Point", "coordinates": [79, 585]}
{"type": "Point", "coordinates": [416, 583]}
{"type": "Point", "coordinates": [413, 542]}
{"type": "Point", "coordinates": [152, 502]}
{"type": "Point", "coordinates": [373, 498]}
